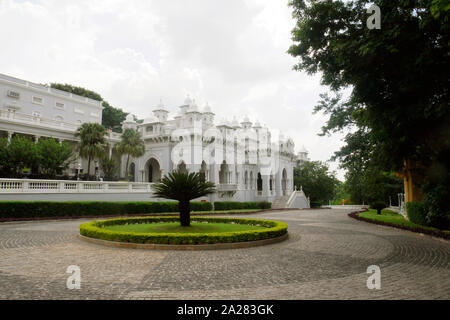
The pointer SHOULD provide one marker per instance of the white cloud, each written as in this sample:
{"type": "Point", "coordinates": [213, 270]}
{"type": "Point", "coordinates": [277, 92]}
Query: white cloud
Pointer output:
{"type": "Point", "coordinates": [229, 53]}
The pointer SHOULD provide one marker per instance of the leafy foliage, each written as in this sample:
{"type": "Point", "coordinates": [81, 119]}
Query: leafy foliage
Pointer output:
{"type": "Point", "coordinates": [53, 157]}
{"type": "Point", "coordinates": [317, 182]}
{"type": "Point", "coordinates": [92, 142]}
{"type": "Point", "coordinates": [397, 77]}
{"type": "Point", "coordinates": [17, 155]}
{"type": "Point", "coordinates": [112, 118]}
{"type": "Point", "coordinates": [131, 144]}
{"type": "Point", "coordinates": [109, 168]}
{"type": "Point", "coordinates": [183, 186]}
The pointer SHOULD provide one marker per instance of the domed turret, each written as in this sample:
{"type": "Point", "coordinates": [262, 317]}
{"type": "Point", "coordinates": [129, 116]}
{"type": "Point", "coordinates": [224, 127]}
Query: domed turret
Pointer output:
{"type": "Point", "coordinates": [161, 112]}
{"type": "Point", "coordinates": [246, 123]}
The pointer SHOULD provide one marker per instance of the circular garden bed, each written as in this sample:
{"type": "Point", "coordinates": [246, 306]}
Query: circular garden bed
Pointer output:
{"type": "Point", "coordinates": [166, 232]}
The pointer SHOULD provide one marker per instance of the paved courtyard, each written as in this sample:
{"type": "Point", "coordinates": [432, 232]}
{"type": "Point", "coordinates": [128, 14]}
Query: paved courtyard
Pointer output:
{"type": "Point", "coordinates": [325, 257]}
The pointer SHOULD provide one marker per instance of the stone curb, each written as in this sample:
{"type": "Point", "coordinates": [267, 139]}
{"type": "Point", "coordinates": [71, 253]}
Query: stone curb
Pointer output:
{"type": "Point", "coordinates": [423, 232]}
{"type": "Point", "coordinates": [192, 247]}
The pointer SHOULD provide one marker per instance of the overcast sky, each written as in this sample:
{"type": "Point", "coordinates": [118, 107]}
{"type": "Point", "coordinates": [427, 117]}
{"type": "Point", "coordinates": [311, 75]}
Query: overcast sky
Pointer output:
{"type": "Point", "coordinates": [231, 54]}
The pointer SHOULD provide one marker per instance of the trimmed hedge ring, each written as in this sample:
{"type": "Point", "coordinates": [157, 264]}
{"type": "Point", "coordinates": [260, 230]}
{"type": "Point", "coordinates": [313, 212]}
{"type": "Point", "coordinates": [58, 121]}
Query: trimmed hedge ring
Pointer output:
{"type": "Point", "coordinates": [94, 229]}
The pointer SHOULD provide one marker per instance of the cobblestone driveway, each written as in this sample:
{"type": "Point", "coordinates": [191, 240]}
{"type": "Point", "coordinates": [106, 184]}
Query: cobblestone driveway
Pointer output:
{"type": "Point", "coordinates": [326, 257]}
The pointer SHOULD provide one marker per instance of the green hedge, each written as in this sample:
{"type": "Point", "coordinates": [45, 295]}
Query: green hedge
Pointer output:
{"type": "Point", "coordinates": [236, 205]}
{"type": "Point", "coordinates": [94, 230]}
{"type": "Point", "coordinates": [417, 213]}
{"type": "Point", "coordinates": [35, 209]}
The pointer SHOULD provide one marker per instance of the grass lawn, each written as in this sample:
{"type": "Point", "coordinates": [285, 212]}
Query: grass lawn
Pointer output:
{"type": "Point", "coordinates": [169, 227]}
{"type": "Point", "coordinates": [389, 216]}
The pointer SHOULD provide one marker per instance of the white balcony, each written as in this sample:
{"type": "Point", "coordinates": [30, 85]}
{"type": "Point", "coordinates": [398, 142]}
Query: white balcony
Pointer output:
{"type": "Point", "coordinates": [22, 118]}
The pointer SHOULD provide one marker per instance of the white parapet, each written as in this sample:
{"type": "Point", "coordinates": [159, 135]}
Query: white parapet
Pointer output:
{"type": "Point", "coordinates": [17, 186]}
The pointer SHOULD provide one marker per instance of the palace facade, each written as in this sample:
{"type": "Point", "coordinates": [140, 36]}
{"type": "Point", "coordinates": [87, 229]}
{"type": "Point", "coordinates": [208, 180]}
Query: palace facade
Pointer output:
{"type": "Point", "coordinates": [246, 161]}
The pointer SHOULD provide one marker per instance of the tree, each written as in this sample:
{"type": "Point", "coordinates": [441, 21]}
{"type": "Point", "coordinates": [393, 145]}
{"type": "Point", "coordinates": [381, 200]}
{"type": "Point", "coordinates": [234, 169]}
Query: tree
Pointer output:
{"type": "Point", "coordinates": [109, 168]}
{"type": "Point", "coordinates": [21, 153]}
{"type": "Point", "coordinates": [317, 182]}
{"type": "Point", "coordinates": [92, 142]}
{"type": "Point", "coordinates": [112, 118]}
{"type": "Point", "coordinates": [397, 76]}
{"type": "Point", "coordinates": [131, 144]}
{"type": "Point", "coordinates": [53, 156]}
{"type": "Point", "coordinates": [183, 187]}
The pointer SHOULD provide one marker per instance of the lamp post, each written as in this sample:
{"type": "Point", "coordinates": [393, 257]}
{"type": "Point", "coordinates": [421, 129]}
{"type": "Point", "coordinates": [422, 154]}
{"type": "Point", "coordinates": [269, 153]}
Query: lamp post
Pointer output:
{"type": "Point", "coordinates": [78, 171]}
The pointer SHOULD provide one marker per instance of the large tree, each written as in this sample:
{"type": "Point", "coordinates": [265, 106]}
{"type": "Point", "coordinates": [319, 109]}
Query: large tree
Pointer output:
{"type": "Point", "coordinates": [92, 142]}
{"type": "Point", "coordinates": [183, 186]}
{"type": "Point", "coordinates": [53, 156]}
{"type": "Point", "coordinates": [18, 154]}
{"type": "Point", "coordinates": [316, 181]}
{"type": "Point", "coordinates": [112, 118]}
{"type": "Point", "coordinates": [131, 144]}
{"type": "Point", "coordinates": [397, 76]}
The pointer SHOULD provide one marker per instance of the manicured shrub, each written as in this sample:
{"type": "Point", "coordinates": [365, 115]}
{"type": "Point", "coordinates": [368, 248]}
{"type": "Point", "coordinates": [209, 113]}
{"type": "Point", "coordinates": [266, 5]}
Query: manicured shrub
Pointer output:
{"type": "Point", "coordinates": [236, 205]}
{"type": "Point", "coordinates": [417, 213]}
{"type": "Point", "coordinates": [378, 205]}
{"type": "Point", "coordinates": [315, 204]}
{"type": "Point", "coordinates": [41, 209]}
{"type": "Point", "coordinates": [95, 229]}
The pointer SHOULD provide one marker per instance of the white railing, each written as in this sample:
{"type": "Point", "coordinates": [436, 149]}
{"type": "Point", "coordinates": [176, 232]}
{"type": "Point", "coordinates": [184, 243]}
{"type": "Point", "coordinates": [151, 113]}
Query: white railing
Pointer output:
{"type": "Point", "coordinates": [290, 199]}
{"type": "Point", "coordinates": [70, 186]}
{"type": "Point", "coordinates": [28, 118]}
{"type": "Point", "coordinates": [49, 89]}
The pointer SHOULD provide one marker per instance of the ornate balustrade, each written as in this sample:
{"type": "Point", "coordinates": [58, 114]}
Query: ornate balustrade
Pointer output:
{"type": "Point", "coordinates": [70, 186]}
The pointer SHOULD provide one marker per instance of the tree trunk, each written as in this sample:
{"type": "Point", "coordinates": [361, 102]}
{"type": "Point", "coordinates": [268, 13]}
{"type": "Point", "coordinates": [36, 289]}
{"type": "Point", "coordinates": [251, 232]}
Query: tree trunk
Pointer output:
{"type": "Point", "coordinates": [89, 168]}
{"type": "Point", "coordinates": [379, 211]}
{"type": "Point", "coordinates": [126, 168]}
{"type": "Point", "coordinates": [185, 213]}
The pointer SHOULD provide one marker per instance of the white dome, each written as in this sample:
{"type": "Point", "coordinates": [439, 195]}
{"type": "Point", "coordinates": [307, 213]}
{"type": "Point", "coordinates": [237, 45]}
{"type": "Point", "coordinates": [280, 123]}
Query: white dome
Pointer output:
{"type": "Point", "coordinates": [193, 107]}
{"type": "Point", "coordinates": [257, 124]}
{"type": "Point", "coordinates": [235, 123]}
{"type": "Point", "coordinates": [161, 106]}
{"type": "Point", "coordinates": [150, 119]}
{"type": "Point", "coordinates": [129, 118]}
{"type": "Point", "coordinates": [188, 100]}
{"type": "Point", "coordinates": [207, 108]}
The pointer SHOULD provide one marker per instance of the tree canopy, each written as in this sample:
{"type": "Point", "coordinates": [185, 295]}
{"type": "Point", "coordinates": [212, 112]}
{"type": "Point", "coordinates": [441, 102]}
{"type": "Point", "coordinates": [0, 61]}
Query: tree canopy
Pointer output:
{"type": "Point", "coordinates": [131, 144]}
{"type": "Point", "coordinates": [183, 186]}
{"type": "Point", "coordinates": [111, 117]}
{"type": "Point", "coordinates": [397, 75]}
{"type": "Point", "coordinates": [317, 182]}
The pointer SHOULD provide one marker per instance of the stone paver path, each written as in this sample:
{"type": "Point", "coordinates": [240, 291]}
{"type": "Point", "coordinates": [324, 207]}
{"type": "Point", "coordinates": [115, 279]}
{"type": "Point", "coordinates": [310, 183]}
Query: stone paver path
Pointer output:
{"type": "Point", "coordinates": [325, 257]}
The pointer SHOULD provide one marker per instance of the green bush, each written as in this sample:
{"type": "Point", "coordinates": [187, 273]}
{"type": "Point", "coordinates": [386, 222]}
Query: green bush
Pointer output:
{"type": "Point", "coordinates": [417, 213]}
{"type": "Point", "coordinates": [315, 204]}
{"type": "Point", "coordinates": [41, 209]}
{"type": "Point", "coordinates": [378, 205]}
{"type": "Point", "coordinates": [95, 229]}
{"type": "Point", "coordinates": [236, 205]}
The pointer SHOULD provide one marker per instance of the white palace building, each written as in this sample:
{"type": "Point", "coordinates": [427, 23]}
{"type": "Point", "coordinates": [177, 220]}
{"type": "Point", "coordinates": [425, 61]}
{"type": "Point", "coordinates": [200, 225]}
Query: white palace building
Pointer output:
{"type": "Point", "coordinates": [246, 161]}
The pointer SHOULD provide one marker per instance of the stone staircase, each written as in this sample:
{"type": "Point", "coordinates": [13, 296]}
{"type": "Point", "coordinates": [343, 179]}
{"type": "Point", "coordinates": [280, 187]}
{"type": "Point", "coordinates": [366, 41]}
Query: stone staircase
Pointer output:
{"type": "Point", "coordinates": [280, 203]}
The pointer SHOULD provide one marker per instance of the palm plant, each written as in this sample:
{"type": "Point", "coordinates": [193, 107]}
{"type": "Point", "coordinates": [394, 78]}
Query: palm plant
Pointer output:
{"type": "Point", "coordinates": [131, 145]}
{"type": "Point", "coordinates": [184, 187]}
{"type": "Point", "coordinates": [92, 143]}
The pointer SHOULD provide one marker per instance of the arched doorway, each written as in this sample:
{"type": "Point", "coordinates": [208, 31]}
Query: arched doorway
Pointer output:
{"type": "Point", "coordinates": [153, 170]}
{"type": "Point", "coordinates": [259, 182]}
{"type": "Point", "coordinates": [284, 181]}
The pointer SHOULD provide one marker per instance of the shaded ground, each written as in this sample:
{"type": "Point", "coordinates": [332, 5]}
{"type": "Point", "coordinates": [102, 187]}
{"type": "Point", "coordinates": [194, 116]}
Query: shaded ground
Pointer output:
{"type": "Point", "coordinates": [325, 257]}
